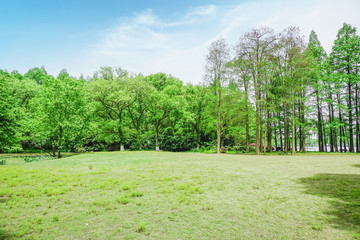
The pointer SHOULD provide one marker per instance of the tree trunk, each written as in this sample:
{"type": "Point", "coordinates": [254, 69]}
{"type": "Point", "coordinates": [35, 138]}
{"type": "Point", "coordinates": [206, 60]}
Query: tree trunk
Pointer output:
{"type": "Point", "coordinates": [285, 130]}
{"type": "Point", "coordinates": [334, 130]}
{"type": "Point", "coordinates": [198, 139]}
{"type": "Point", "coordinates": [157, 138]}
{"type": "Point", "coordinates": [269, 133]}
{"type": "Point", "coordinates": [293, 148]}
{"type": "Point", "coordinates": [325, 145]}
{"type": "Point", "coordinates": [281, 136]}
{"type": "Point", "coordinates": [351, 133]}
{"type": "Point", "coordinates": [331, 140]}
{"type": "Point", "coordinates": [121, 137]}
{"type": "Point", "coordinates": [341, 138]}
{"type": "Point", "coordinates": [218, 135]}
{"type": "Point", "coordinates": [320, 135]}
{"type": "Point", "coordinates": [275, 138]}
{"type": "Point", "coordinates": [357, 118]}
{"type": "Point", "coordinates": [53, 150]}
{"type": "Point", "coordinates": [261, 134]}
{"type": "Point", "coordinates": [303, 135]}
{"type": "Point", "coordinates": [257, 134]}
{"type": "Point", "coordinates": [344, 140]}
{"type": "Point", "coordinates": [247, 136]}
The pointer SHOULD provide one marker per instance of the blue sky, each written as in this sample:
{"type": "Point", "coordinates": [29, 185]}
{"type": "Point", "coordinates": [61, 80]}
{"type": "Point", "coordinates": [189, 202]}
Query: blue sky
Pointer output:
{"type": "Point", "coordinates": [149, 36]}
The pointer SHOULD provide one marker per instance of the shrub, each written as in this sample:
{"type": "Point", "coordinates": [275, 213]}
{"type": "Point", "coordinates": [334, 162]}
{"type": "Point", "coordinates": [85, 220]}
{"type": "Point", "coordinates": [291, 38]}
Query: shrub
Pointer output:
{"type": "Point", "coordinates": [36, 158]}
{"type": "Point", "coordinates": [16, 149]}
{"type": "Point", "coordinates": [123, 200]}
{"type": "Point", "coordinates": [2, 162]}
{"type": "Point", "coordinates": [141, 227]}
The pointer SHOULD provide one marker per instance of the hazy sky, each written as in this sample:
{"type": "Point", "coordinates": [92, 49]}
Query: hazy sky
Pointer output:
{"type": "Point", "coordinates": [149, 36]}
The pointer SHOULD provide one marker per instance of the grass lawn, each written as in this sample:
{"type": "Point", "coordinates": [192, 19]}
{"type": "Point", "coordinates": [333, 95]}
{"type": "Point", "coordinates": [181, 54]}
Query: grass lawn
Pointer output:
{"type": "Point", "coordinates": [159, 195]}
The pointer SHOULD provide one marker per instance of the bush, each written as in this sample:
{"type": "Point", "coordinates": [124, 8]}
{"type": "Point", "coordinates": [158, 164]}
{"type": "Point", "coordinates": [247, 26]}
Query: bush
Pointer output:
{"type": "Point", "coordinates": [176, 141]}
{"type": "Point", "coordinates": [36, 158]}
{"type": "Point", "coordinates": [2, 162]}
{"type": "Point", "coordinates": [252, 148]}
{"type": "Point", "coordinates": [16, 149]}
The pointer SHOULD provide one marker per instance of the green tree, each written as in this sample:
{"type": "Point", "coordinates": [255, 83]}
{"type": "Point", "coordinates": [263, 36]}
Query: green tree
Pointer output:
{"type": "Point", "coordinates": [112, 98]}
{"type": "Point", "coordinates": [216, 75]}
{"type": "Point", "coordinates": [59, 113]}
{"type": "Point", "coordinates": [165, 98]}
{"type": "Point", "coordinates": [8, 122]}
{"type": "Point", "coordinates": [318, 55]}
{"type": "Point", "coordinates": [256, 47]}
{"type": "Point", "coordinates": [344, 60]}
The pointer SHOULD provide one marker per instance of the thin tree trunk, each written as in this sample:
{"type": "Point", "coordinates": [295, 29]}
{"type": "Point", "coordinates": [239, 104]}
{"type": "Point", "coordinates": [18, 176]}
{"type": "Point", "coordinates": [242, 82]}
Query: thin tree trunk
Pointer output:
{"type": "Point", "coordinates": [335, 142]}
{"type": "Point", "coordinates": [269, 133]}
{"type": "Point", "coordinates": [247, 138]}
{"type": "Point", "coordinates": [257, 134]}
{"type": "Point", "coordinates": [261, 131]}
{"type": "Point", "coordinates": [331, 140]}
{"type": "Point", "coordinates": [275, 138]}
{"type": "Point", "coordinates": [157, 138]}
{"type": "Point", "coordinates": [320, 135]}
{"type": "Point", "coordinates": [293, 148]}
{"type": "Point", "coordinates": [285, 130]}
{"type": "Point", "coordinates": [198, 139]}
{"type": "Point", "coordinates": [344, 140]}
{"type": "Point", "coordinates": [340, 124]}
{"type": "Point", "coordinates": [351, 133]}
{"type": "Point", "coordinates": [281, 135]}
{"type": "Point", "coordinates": [357, 118]}
{"type": "Point", "coordinates": [218, 135]}
{"type": "Point", "coordinates": [303, 136]}
{"type": "Point", "coordinates": [325, 145]}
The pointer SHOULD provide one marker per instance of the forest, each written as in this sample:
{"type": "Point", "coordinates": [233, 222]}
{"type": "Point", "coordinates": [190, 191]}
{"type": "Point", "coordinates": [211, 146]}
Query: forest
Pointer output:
{"type": "Point", "coordinates": [271, 91]}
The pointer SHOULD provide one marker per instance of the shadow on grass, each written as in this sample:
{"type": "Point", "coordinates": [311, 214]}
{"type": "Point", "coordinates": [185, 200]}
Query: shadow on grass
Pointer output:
{"type": "Point", "coordinates": [5, 235]}
{"type": "Point", "coordinates": [344, 189]}
{"type": "Point", "coordinates": [356, 165]}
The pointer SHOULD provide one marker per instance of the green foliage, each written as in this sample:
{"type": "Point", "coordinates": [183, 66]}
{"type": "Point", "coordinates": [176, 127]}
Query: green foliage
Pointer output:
{"type": "Point", "coordinates": [59, 113]}
{"type": "Point", "coordinates": [285, 94]}
{"type": "Point", "coordinates": [36, 158]}
{"type": "Point", "coordinates": [141, 227]}
{"type": "Point", "coordinates": [8, 122]}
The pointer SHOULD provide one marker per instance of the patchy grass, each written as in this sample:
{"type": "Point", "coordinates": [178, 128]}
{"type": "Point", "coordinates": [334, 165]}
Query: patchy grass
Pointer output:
{"type": "Point", "coordinates": [158, 195]}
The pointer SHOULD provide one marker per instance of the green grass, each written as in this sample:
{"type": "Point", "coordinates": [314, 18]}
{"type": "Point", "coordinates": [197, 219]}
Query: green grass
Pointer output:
{"type": "Point", "coordinates": [158, 195]}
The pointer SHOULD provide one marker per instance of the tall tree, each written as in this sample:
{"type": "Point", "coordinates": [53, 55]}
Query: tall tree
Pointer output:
{"type": "Point", "coordinates": [256, 46]}
{"type": "Point", "coordinates": [7, 115]}
{"type": "Point", "coordinates": [345, 57]}
{"type": "Point", "coordinates": [113, 96]}
{"type": "Point", "coordinates": [59, 113]}
{"type": "Point", "coordinates": [164, 99]}
{"type": "Point", "coordinates": [216, 76]}
{"type": "Point", "coordinates": [318, 56]}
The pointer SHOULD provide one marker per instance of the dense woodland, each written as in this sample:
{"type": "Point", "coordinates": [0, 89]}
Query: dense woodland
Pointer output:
{"type": "Point", "coordinates": [271, 91]}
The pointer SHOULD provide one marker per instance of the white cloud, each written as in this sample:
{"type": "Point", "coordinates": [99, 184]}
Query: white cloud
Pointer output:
{"type": "Point", "coordinates": [202, 11]}
{"type": "Point", "coordinates": [148, 43]}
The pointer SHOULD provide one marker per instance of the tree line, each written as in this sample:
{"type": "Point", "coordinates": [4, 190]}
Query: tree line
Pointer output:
{"type": "Point", "coordinates": [271, 91]}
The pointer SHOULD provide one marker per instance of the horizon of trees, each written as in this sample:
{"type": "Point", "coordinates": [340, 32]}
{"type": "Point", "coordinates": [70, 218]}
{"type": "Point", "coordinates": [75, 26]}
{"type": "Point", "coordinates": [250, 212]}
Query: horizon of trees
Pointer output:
{"type": "Point", "coordinates": [271, 90]}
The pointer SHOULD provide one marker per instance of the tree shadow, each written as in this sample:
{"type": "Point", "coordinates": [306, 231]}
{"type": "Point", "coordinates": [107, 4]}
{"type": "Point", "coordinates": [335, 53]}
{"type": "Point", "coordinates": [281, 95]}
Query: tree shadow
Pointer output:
{"type": "Point", "coordinates": [356, 165]}
{"type": "Point", "coordinates": [5, 235]}
{"type": "Point", "coordinates": [344, 189]}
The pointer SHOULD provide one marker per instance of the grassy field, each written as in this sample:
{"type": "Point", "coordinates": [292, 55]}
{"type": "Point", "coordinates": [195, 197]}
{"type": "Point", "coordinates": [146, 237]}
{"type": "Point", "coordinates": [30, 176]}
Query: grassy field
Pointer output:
{"type": "Point", "coordinates": [158, 195]}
